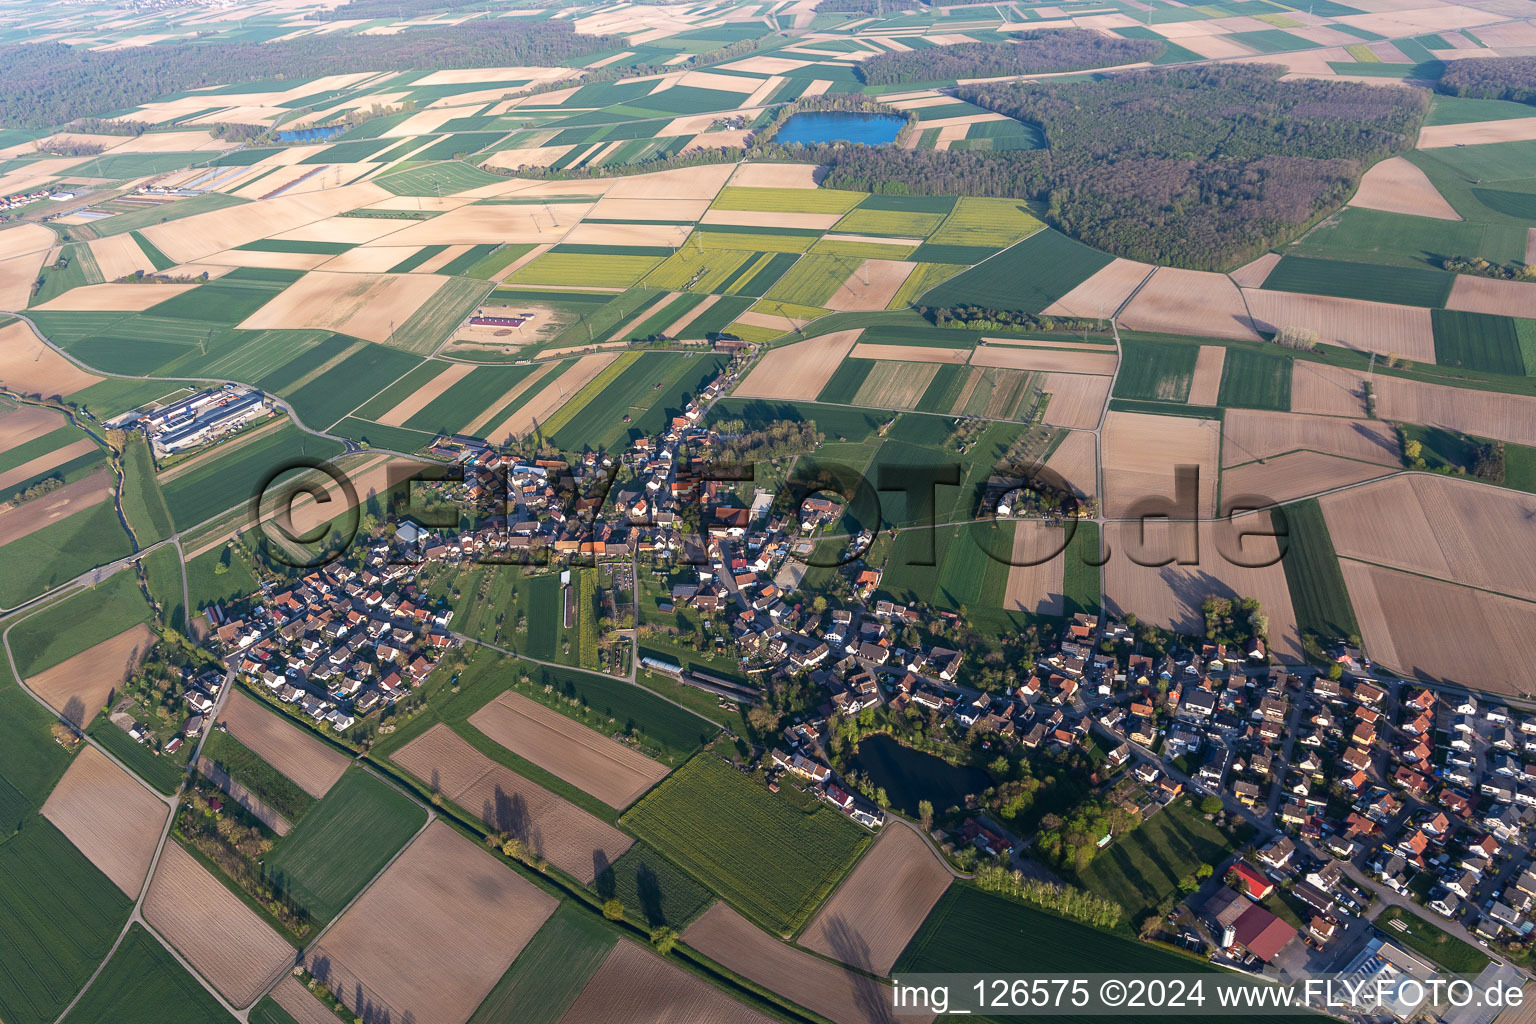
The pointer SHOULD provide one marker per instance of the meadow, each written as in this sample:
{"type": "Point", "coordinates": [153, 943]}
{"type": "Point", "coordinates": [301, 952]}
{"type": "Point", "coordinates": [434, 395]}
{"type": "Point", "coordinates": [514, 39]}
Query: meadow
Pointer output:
{"type": "Point", "coordinates": [61, 551]}
{"type": "Point", "coordinates": [1142, 866]}
{"type": "Point", "coordinates": [763, 855]}
{"type": "Point", "coordinates": [653, 888]}
{"type": "Point", "coordinates": [59, 916]}
{"type": "Point", "coordinates": [1422, 936]}
{"type": "Point", "coordinates": [143, 504]}
{"type": "Point", "coordinates": [343, 842]}
{"type": "Point", "coordinates": [162, 572]}
{"type": "Point", "coordinates": [163, 772]}
{"type": "Point", "coordinates": [78, 622]}
{"type": "Point", "coordinates": [143, 984]}
{"type": "Point", "coordinates": [1312, 574]}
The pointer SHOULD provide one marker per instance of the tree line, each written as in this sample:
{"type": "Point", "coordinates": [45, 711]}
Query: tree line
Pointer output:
{"type": "Point", "coordinates": [1036, 51]}
{"type": "Point", "coordinates": [50, 83]}
{"type": "Point", "coordinates": [1491, 78]}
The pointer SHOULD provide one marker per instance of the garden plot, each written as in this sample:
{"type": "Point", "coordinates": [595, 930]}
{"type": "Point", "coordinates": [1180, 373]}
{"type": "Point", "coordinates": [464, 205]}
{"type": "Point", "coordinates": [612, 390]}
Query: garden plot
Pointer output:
{"type": "Point", "coordinates": [614, 773]}
{"type": "Point", "coordinates": [366, 306]}
{"type": "Point", "coordinates": [562, 833]}
{"type": "Point", "coordinates": [109, 816]}
{"type": "Point", "coordinates": [463, 916]}
{"type": "Point", "coordinates": [876, 911]}
{"type": "Point", "coordinates": [1141, 452]}
{"type": "Point", "coordinates": [311, 764]}
{"type": "Point", "coordinates": [1457, 530]}
{"type": "Point", "coordinates": [1103, 294]}
{"type": "Point", "coordinates": [636, 986]}
{"type": "Point", "coordinates": [1381, 327]}
{"type": "Point", "coordinates": [1432, 630]}
{"type": "Point", "coordinates": [227, 942]}
{"type": "Point", "coordinates": [1219, 562]}
{"type": "Point", "coordinates": [1177, 301]}
{"type": "Point", "coordinates": [799, 369]}
{"type": "Point", "coordinates": [833, 992]}
{"type": "Point", "coordinates": [1250, 434]}
{"type": "Point", "coordinates": [1396, 185]}
{"type": "Point", "coordinates": [79, 686]}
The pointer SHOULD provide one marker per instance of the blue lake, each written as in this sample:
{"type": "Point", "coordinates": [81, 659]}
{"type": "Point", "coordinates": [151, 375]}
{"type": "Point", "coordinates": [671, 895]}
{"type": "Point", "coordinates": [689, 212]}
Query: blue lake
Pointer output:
{"type": "Point", "coordinates": [808, 129]}
{"type": "Point", "coordinates": [311, 134]}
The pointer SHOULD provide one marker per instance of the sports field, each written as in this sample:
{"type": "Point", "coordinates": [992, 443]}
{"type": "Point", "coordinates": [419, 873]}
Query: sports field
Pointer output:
{"type": "Point", "coordinates": [765, 856]}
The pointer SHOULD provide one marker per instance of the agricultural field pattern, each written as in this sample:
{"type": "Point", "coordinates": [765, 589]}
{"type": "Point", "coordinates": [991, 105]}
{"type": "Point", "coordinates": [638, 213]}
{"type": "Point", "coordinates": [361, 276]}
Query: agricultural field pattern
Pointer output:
{"type": "Point", "coordinates": [787, 511]}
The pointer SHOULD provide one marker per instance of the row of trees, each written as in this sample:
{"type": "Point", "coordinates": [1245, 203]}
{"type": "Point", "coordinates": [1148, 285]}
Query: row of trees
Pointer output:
{"type": "Point", "coordinates": [1066, 900]}
{"type": "Point", "coordinates": [1035, 52]}
{"type": "Point", "coordinates": [1480, 267]}
{"type": "Point", "coordinates": [1491, 78]}
{"type": "Point", "coordinates": [987, 319]}
{"type": "Point", "coordinates": [51, 83]}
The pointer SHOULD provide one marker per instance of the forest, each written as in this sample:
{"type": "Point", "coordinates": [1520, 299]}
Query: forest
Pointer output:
{"type": "Point", "coordinates": [1041, 50]}
{"type": "Point", "coordinates": [45, 84]}
{"type": "Point", "coordinates": [1491, 78]}
{"type": "Point", "coordinates": [1204, 167]}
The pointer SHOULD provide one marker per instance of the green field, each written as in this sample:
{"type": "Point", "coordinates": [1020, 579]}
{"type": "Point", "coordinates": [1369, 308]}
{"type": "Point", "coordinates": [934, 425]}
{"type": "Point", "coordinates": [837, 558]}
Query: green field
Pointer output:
{"type": "Point", "coordinates": [568, 268]}
{"type": "Point", "coordinates": [603, 700]}
{"type": "Point", "coordinates": [1312, 574]}
{"type": "Point", "coordinates": [1159, 371]}
{"type": "Point", "coordinates": [1375, 282]}
{"type": "Point", "coordinates": [357, 378]}
{"type": "Point", "coordinates": [162, 572]}
{"type": "Point", "coordinates": [865, 220]}
{"type": "Point", "coordinates": [652, 888]}
{"type": "Point", "coordinates": [550, 972]}
{"type": "Point", "coordinates": [1029, 276]}
{"type": "Point", "coordinates": [59, 916]}
{"type": "Point", "coordinates": [1256, 379]}
{"type": "Point", "coordinates": [31, 763]}
{"type": "Point", "coordinates": [164, 772]}
{"type": "Point", "coordinates": [243, 765]}
{"type": "Point", "coordinates": [1372, 236]}
{"type": "Point", "coordinates": [544, 616]}
{"type": "Point", "coordinates": [994, 222]}
{"type": "Point", "coordinates": [143, 984]}
{"type": "Point", "coordinates": [143, 504]}
{"type": "Point", "coordinates": [343, 842]}
{"type": "Point", "coordinates": [448, 307]}
{"type": "Point", "coordinates": [688, 269]}
{"type": "Point", "coordinates": [223, 481]}
{"type": "Point", "coordinates": [813, 279]}
{"type": "Point", "coordinates": [228, 300]}
{"type": "Point", "coordinates": [82, 620]}
{"type": "Point", "coordinates": [1082, 586]}
{"type": "Point", "coordinates": [463, 400]}
{"type": "Point", "coordinates": [581, 399]}
{"type": "Point", "coordinates": [649, 393]}
{"type": "Point", "coordinates": [1462, 110]}
{"type": "Point", "coordinates": [1428, 938]}
{"type": "Point", "coordinates": [61, 551]}
{"type": "Point", "coordinates": [1477, 341]}
{"type": "Point", "coordinates": [252, 355]}
{"type": "Point", "coordinates": [786, 200]}
{"type": "Point", "coordinates": [1142, 866]}
{"type": "Point", "coordinates": [766, 857]}
{"type": "Point", "coordinates": [432, 179]}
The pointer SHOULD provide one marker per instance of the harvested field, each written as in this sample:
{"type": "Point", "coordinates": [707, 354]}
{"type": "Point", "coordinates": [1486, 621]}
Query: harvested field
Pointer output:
{"type": "Point", "coordinates": [270, 260]}
{"type": "Point", "coordinates": [420, 398]}
{"type": "Point", "coordinates": [1436, 631]}
{"type": "Point", "coordinates": [1036, 580]}
{"type": "Point", "coordinates": [1224, 563]}
{"type": "Point", "coordinates": [1103, 293]}
{"type": "Point", "coordinates": [840, 995]}
{"type": "Point", "coordinates": [119, 255]}
{"type": "Point", "coordinates": [228, 943]}
{"type": "Point", "coordinates": [1252, 275]}
{"type": "Point", "coordinates": [109, 816]}
{"type": "Point", "coordinates": [43, 463]}
{"type": "Point", "coordinates": [871, 286]}
{"type": "Point", "coordinates": [24, 239]}
{"type": "Point", "coordinates": [1249, 434]}
{"type": "Point", "coordinates": [909, 353]}
{"type": "Point", "coordinates": [1190, 302]}
{"type": "Point", "coordinates": [22, 423]}
{"type": "Point", "coordinates": [636, 986]}
{"type": "Point", "coordinates": [1205, 389]}
{"type": "Point", "coordinates": [774, 175]}
{"type": "Point", "coordinates": [798, 370]}
{"type": "Point", "coordinates": [1337, 391]}
{"type": "Point", "coordinates": [1141, 452]}
{"type": "Point", "coordinates": [370, 259]}
{"type": "Point", "coordinates": [895, 385]}
{"type": "Point", "coordinates": [463, 916]}
{"type": "Point", "coordinates": [683, 183]}
{"type": "Point", "coordinates": [16, 278]}
{"type": "Point", "coordinates": [1489, 295]}
{"type": "Point", "coordinates": [568, 837]}
{"type": "Point", "coordinates": [1398, 186]}
{"type": "Point", "coordinates": [1077, 400]}
{"type": "Point", "coordinates": [875, 912]}
{"type": "Point", "coordinates": [1457, 530]}
{"type": "Point", "coordinates": [311, 764]}
{"type": "Point", "coordinates": [80, 686]}
{"type": "Point", "coordinates": [1101, 360]}
{"type": "Point", "coordinates": [770, 219]}
{"type": "Point", "coordinates": [629, 234]}
{"type": "Point", "coordinates": [1284, 478]}
{"type": "Point", "coordinates": [202, 234]}
{"type": "Point", "coordinates": [511, 224]}
{"type": "Point", "coordinates": [21, 520]}
{"type": "Point", "coordinates": [1475, 133]}
{"type": "Point", "coordinates": [552, 396]}
{"type": "Point", "coordinates": [649, 209]}
{"type": "Point", "coordinates": [1326, 390]}
{"type": "Point", "coordinates": [1530, 246]}
{"type": "Point", "coordinates": [1381, 327]}
{"type": "Point", "coordinates": [614, 773]}
{"type": "Point", "coordinates": [362, 305]}
{"type": "Point", "coordinates": [96, 297]}
{"type": "Point", "coordinates": [300, 1004]}
{"type": "Point", "coordinates": [1076, 461]}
